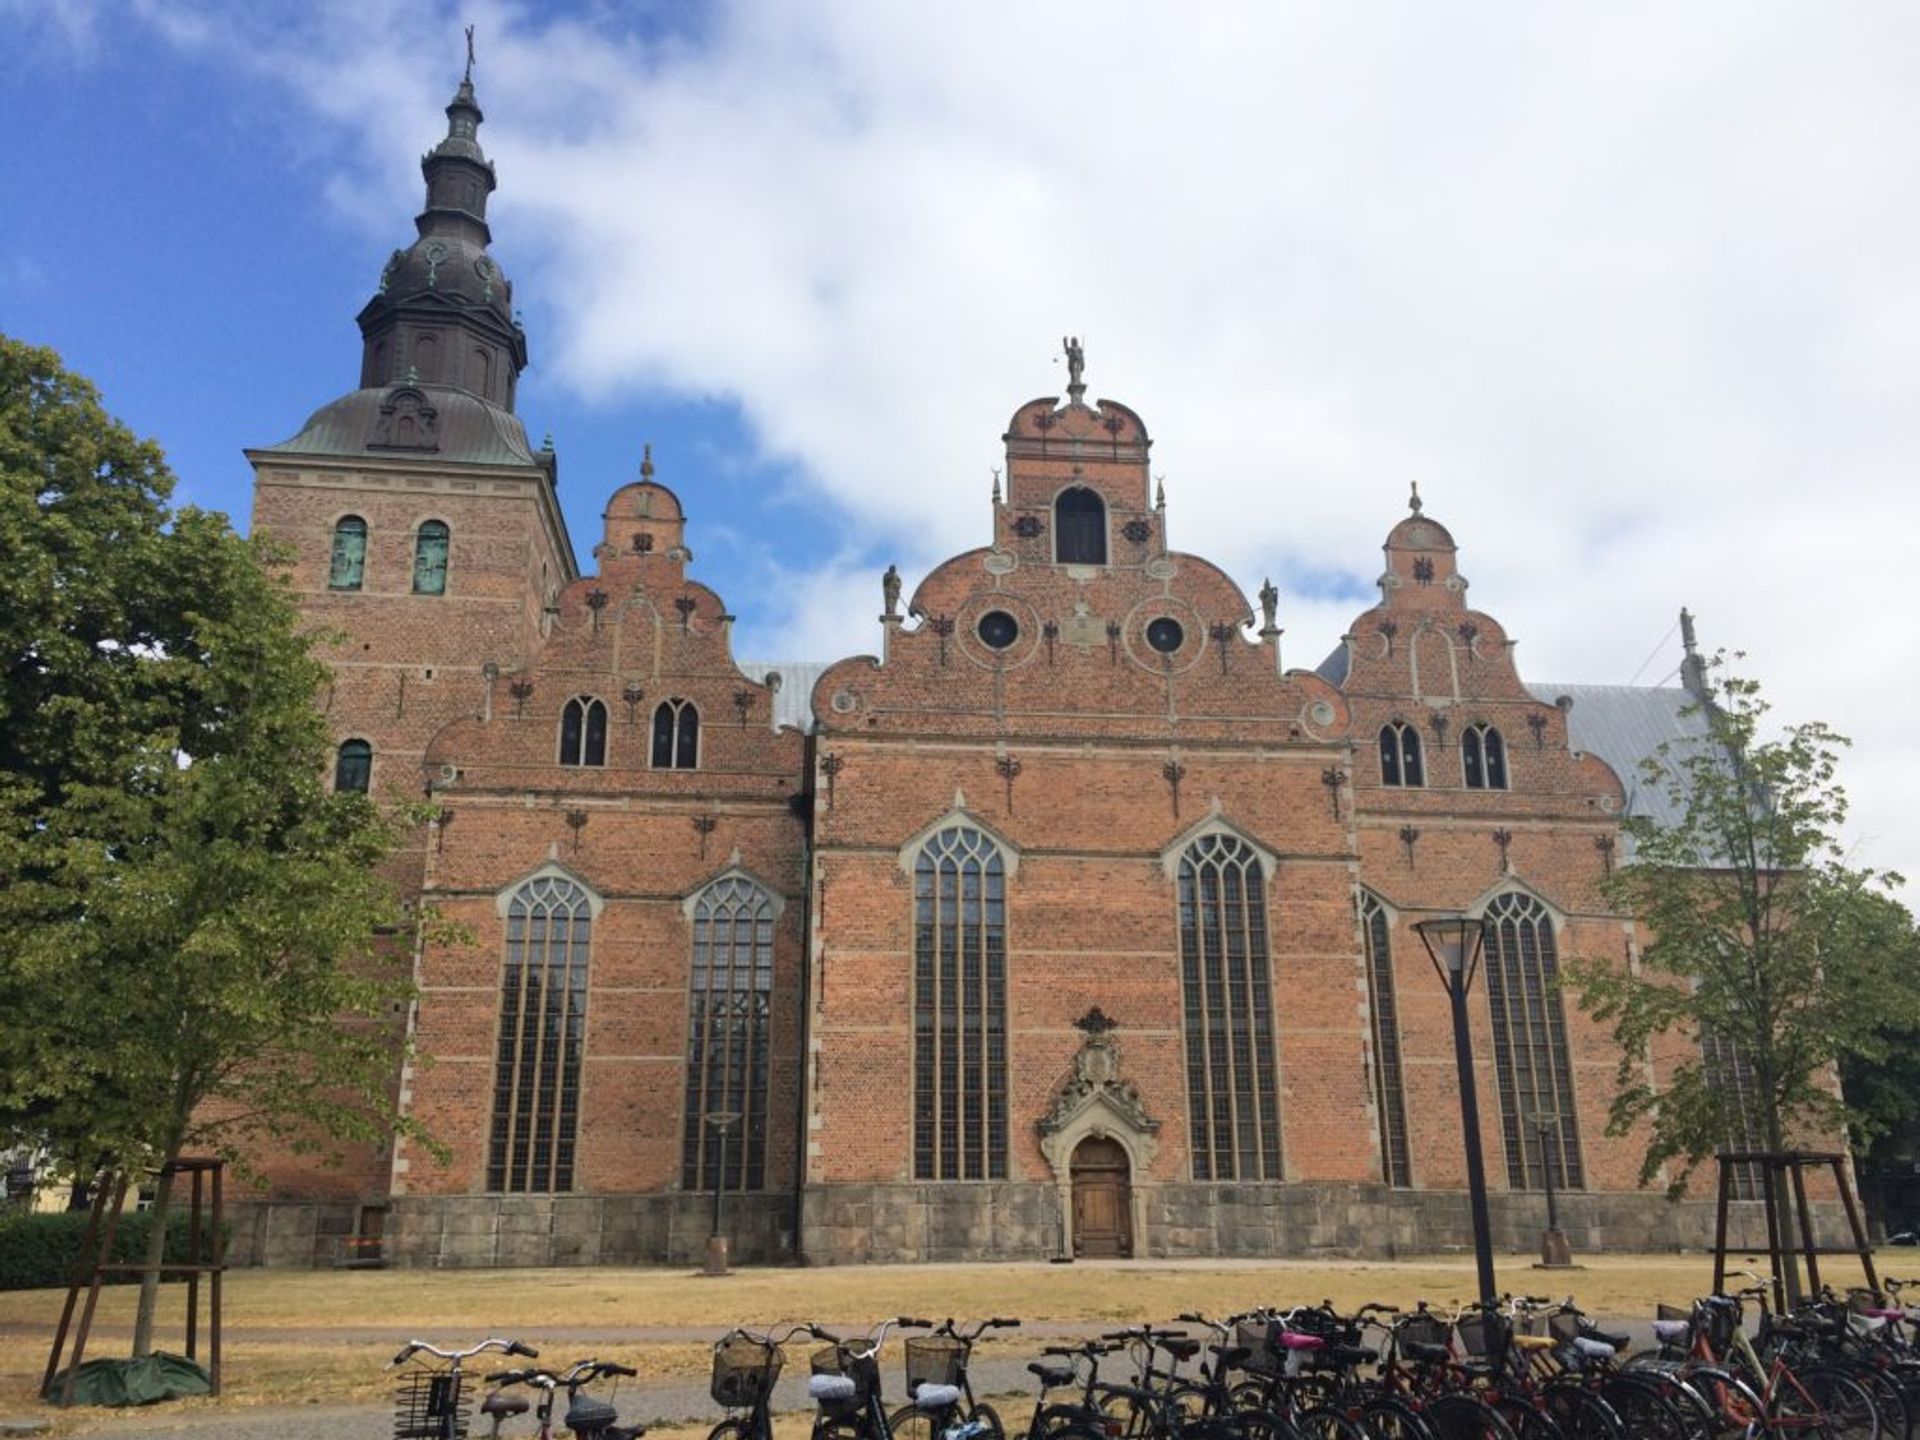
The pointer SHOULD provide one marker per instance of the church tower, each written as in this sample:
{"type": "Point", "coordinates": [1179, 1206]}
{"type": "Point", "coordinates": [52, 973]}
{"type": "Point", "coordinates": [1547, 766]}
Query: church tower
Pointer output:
{"type": "Point", "coordinates": [424, 527]}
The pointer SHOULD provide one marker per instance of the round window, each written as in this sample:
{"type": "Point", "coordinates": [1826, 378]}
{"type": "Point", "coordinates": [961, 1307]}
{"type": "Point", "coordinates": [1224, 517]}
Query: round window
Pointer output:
{"type": "Point", "coordinates": [998, 629]}
{"type": "Point", "coordinates": [1165, 634]}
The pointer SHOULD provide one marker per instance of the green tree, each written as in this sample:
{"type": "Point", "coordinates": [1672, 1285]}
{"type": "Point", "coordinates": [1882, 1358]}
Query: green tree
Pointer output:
{"type": "Point", "coordinates": [191, 922]}
{"type": "Point", "coordinates": [1766, 946]}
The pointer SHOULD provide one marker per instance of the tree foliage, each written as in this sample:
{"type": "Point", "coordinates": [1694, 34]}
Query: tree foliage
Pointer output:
{"type": "Point", "coordinates": [1768, 952]}
{"type": "Point", "coordinates": [189, 914]}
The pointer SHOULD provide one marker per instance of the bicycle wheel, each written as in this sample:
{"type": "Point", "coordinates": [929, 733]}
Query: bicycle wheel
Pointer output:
{"type": "Point", "coordinates": [1386, 1417]}
{"type": "Point", "coordinates": [1264, 1425]}
{"type": "Point", "coordinates": [985, 1415]}
{"type": "Point", "coordinates": [1896, 1415]}
{"type": "Point", "coordinates": [1326, 1424]}
{"type": "Point", "coordinates": [730, 1429]}
{"type": "Point", "coordinates": [1644, 1411]}
{"type": "Point", "coordinates": [1462, 1417]}
{"type": "Point", "coordinates": [910, 1422]}
{"type": "Point", "coordinates": [1735, 1408]}
{"type": "Point", "coordinates": [1847, 1408]}
{"type": "Point", "coordinates": [1528, 1422]}
{"type": "Point", "coordinates": [1581, 1413]}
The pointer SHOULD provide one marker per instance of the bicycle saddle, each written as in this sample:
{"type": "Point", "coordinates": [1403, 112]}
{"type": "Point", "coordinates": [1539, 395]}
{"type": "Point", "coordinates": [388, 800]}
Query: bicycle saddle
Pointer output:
{"type": "Point", "coordinates": [831, 1387]}
{"type": "Point", "coordinates": [1180, 1349]}
{"type": "Point", "coordinates": [934, 1397]}
{"type": "Point", "coordinates": [1051, 1376]}
{"type": "Point", "coordinates": [1606, 1337]}
{"type": "Point", "coordinates": [1671, 1332]}
{"type": "Point", "coordinates": [1294, 1340]}
{"type": "Point", "coordinates": [1424, 1353]}
{"type": "Point", "coordinates": [504, 1405]}
{"type": "Point", "coordinates": [1593, 1347]}
{"type": "Point", "coordinates": [1231, 1357]}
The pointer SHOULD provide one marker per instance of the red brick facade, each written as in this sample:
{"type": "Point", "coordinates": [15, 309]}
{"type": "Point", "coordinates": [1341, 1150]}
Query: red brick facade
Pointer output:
{"type": "Point", "coordinates": [1093, 708]}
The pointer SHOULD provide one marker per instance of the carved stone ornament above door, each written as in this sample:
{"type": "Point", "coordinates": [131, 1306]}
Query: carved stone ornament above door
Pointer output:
{"type": "Point", "coordinates": [1096, 1101]}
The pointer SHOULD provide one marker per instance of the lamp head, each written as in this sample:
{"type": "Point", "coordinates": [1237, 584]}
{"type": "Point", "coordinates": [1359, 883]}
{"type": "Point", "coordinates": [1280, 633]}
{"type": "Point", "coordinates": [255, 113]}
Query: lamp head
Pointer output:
{"type": "Point", "coordinates": [1453, 943]}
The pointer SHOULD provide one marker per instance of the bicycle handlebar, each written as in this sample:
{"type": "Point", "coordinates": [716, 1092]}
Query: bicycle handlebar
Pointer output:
{"type": "Point", "coordinates": [492, 1342]}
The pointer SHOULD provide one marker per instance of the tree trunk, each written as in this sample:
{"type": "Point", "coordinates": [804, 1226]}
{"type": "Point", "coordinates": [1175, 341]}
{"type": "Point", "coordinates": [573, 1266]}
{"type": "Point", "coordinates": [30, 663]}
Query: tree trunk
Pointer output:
{"type": "Point", "coordinates": [156, 1253]}
{"type": "Point", "coordinates": [1788, 1261]}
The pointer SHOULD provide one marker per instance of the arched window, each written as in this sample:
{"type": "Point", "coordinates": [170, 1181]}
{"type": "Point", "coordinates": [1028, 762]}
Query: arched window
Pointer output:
{"type": "Point", "coordinates": [1483, 757]}
{"type": "Point", "coordinates": [353, 767]}
{"type": "Point", "coordinates": [676, 735]}
{"type": "Point", "coordinates": [543, 1020]}
{"type": "Point", "coordinates": [1530, 1045]}
{"type": "Point", "coordinates": [349, 564]}
{"type": "Point", "coordinates": [1389, 1081]}
{"type": "Point", "coordinates": [959, 1008]}
{"type": "Point", "coordinates": [1080, 527]}
{"type": "Point", "coordinates": [727, 1037]}
{"type": "Point", "coordinates": [1226, 985]}
{"type": "Point", "coordinates": [430, 548]}
{"type": "Point", "coordinates": [583, 732]}
{"type": "Point", "coordinates": [1400, 755]}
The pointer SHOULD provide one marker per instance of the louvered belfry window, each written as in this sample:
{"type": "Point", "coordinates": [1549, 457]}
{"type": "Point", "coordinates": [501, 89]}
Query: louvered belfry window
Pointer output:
{"type": "Point", "coordinates": [1530, 1045]}
{"type": "Point", "coordinates": [1389, 1081]}
{"type": "Point", "coordinates": [543, 1018]}
{"type": "Point", "coordinates": [959, 1008]}
{"type": "Point", "coordinates": [728, 1021]}
{"type": "Point", "coordinates": [1227, 989]}
{"type": "Point", "coordinates": [347, 567]}
{"type": "Point", "coordinates": [430, 548]}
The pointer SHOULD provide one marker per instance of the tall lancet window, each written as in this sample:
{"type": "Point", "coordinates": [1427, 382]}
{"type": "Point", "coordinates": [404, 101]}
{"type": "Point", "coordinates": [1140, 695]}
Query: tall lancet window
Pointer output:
{"type": "Point", "coordinates": [1531, 1058]}
{"type": "Point", "coordinates": [1389, 1080]}
{"type": "Point", "coordinates": [1227, 992]}
{"type": "Point", "coordinates": [729, 1018]}
{"type": "Point", "coordinates": [543, 1026]}
{"type": "Point", "coordinates": [960, 1008]}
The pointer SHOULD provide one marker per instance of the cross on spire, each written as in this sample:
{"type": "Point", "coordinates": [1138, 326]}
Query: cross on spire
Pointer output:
{"type": "Point", "coordinates": [468, 77]}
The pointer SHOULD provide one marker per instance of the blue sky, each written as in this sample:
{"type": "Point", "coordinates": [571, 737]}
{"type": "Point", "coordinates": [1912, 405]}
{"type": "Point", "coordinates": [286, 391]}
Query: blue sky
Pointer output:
{"type": "Point", "coordinates": [1629, 290]}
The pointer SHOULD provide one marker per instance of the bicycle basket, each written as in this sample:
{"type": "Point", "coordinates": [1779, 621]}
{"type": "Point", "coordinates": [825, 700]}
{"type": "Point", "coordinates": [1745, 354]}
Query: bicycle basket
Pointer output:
{"type": "Point", "coordinates": [744, 1371]}
{"type": "Point", "coordinates": [1719, 1322]}
{"type": "Point", "coordinates": [423, 1403]}
{"type": "Point", "coordinates": [935, 1360]}
{"type": "Point", "coordinates": [1257, 1337]}
{"type": "Point", "coordinates": [1484, 1336]}
{"type": "Point", "coordinates": [857, 1367]}
{"type": "Point", "coordinates": [1424, 1328]}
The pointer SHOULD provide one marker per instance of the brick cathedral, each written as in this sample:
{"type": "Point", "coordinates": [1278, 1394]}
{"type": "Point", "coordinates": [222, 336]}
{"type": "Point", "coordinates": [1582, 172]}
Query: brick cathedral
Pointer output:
{"type": "Point", "coordinates": [1072, 923]}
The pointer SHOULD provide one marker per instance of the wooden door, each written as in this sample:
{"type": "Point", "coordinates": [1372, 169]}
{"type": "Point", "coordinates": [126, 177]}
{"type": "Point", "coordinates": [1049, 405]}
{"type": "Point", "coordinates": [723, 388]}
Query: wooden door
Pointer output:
{"type": "Point", "coordinates": [1102, 1200]}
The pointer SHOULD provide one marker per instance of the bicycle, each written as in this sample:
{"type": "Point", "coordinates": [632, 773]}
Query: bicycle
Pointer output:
{"type": "Point", "coordinates": [746, 1366]}
{"type": "Point", "coordinates": [845, 1385]}
{"type": "Point", "coordinates": [429, 1402]}
{"type": "Point", "coordinates": [587, 1417]}
{"type": "Point", "coordinates": [941, 1395]}
{"type": "Point", "coordinates": [1070, 1420]}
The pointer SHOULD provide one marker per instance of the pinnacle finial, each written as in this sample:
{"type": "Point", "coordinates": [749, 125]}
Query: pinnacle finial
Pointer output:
{"type": "Point", "coordinates": [1076, 366]}
{"type": "Point", "coordinates": [996, 486]}
{"type": "Point", "coordinates": [467, 78]}
{"type": "Point", "coordinates": [1687, 641]}
{"type": "Point", "coordinates": [1159, 492]}
{"type": "Point", "coordinates": [646, 461]}
{"type": "Point", "coordinates": [1413, 501]}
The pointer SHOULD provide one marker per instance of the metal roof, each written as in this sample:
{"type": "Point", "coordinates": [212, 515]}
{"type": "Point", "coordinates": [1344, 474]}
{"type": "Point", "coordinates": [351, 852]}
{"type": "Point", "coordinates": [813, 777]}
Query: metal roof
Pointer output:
{"type": "Point", "coordinates": [469, 430]}
{"type": "Point", "coordinates": [793, 702]}
{"type": "Point", "coordinates": [1625, 725]}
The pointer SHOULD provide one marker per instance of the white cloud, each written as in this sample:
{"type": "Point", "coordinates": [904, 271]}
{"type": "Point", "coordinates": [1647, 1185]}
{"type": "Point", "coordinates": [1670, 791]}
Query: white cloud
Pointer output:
{"type": "Point", "coordinates": [1628, 289]}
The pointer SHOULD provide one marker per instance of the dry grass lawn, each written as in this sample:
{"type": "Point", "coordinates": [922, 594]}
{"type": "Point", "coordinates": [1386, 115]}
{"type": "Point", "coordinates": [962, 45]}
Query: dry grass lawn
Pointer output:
{"type": "Point", "coordinates": [295, 1337]}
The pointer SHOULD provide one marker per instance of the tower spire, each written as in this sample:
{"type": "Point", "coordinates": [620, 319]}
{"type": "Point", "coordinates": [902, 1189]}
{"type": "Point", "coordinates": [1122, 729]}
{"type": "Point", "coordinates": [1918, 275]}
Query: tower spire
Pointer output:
{"type": "Point", "coordinates": [444, 312]}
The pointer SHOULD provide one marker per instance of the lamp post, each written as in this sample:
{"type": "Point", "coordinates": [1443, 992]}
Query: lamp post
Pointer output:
{"type": "Point", "coordinates": [721, 1121]}
{"type": "Point", "coordinates": [1555, 1253]}
{"type": "Point", "coordinates": [1453, 944]}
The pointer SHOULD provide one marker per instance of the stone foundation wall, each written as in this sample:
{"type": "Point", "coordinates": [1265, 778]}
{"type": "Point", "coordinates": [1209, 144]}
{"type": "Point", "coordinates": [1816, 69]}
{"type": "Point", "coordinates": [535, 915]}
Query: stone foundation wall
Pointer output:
{"type": "Point", "coordinates": [496, 1231]}
{"type": "Point", "coordinates": [882, 1224]}
{"type": "Point", "coordinates": [857, 1224]}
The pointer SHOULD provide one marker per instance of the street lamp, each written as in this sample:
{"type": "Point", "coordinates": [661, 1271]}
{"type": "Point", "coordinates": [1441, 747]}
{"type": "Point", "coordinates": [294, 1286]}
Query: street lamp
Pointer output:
{"type": "Point", "coordinates": [721, 1122]}
{"type": "Point", "coordinates": [1555, 1252]}
{"type": "Point", "coordinates": [1453, 944]}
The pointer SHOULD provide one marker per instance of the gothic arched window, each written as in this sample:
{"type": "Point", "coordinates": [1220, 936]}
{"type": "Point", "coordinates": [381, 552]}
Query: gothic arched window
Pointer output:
{"type": "Point", "coordinates": [1080, 527]}
{"type": "Point", "coordinates": [430, 548]}
{"type": "Point", "coordinates": [727, 1037]}
{"type": "Point", "coordinates": [676, 735]}
{"type": "Point", "coordinates": [353, 767]}
{"type": "Point", "coordinates": [348, 567]}
{"type": "Point", "coordinates": [543, 1022]}
{"type": "Point", "coordinates": [1226, 986]}
{"type": "Point", "coordinates": [959, 1008]}
{"type": "Point", "coordinates": [1483, 757]}
{"type": "Point", "coordinates": [1530, 1045]}
{"type": "Point", "coordinates": [1389, 1081]}
{"type": "Point", "coordinates": [583, 732]}
{"type": "Point", "coordinates": [1400, 755]}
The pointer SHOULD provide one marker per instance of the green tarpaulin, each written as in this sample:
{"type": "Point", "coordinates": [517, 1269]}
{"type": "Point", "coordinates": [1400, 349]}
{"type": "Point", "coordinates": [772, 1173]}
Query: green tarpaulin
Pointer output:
{"type": "Point", "coordinates": [159, 1376]}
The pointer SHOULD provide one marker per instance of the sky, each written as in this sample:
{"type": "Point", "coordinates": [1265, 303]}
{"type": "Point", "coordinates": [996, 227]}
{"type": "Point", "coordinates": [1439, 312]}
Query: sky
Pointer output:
{"type": "Point", "coordinates": [1629, 290]}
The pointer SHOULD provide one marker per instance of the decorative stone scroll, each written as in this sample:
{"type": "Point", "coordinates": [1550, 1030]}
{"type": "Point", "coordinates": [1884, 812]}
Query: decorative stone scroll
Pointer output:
{"type": "Point", "coordinates": [1096, 1101]}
